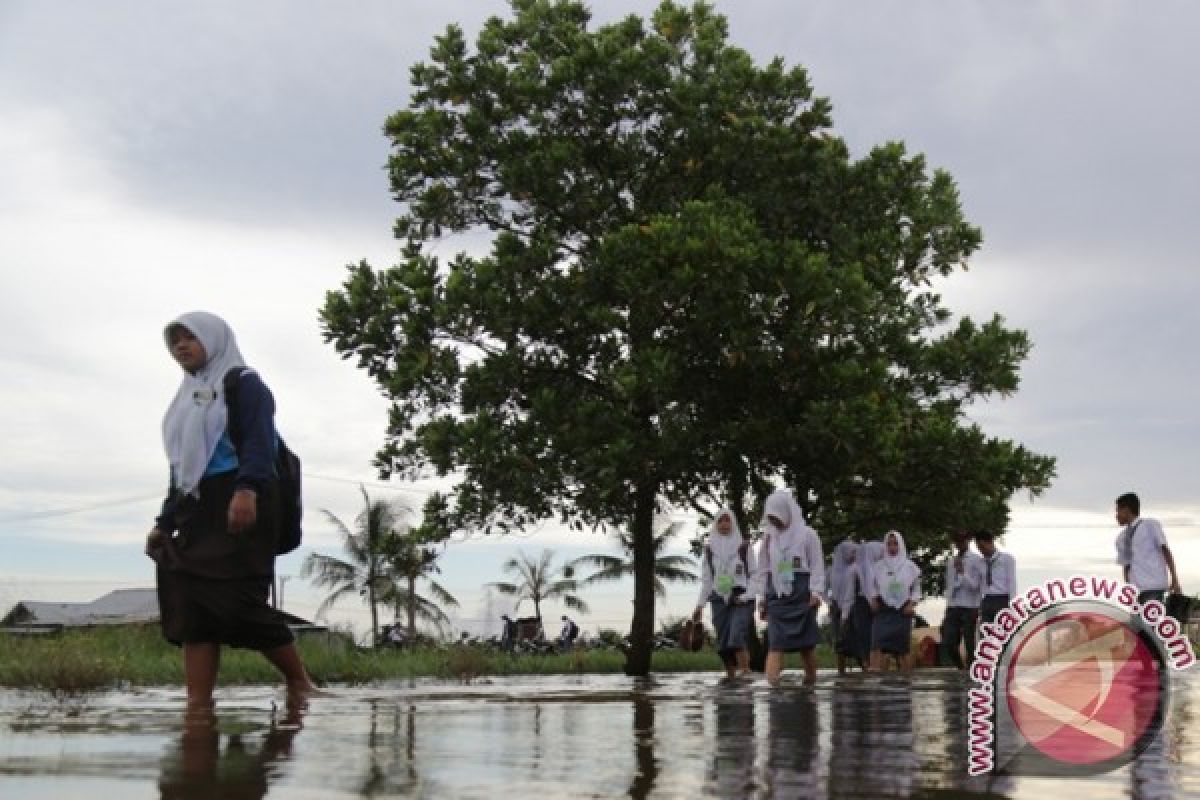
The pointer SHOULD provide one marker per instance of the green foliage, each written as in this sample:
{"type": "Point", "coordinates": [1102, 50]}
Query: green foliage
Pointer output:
{"type": "Point", "coordinates": [667, 568]}
{"type": "Point", "coordinates": [690, 290]}
{"type": "Point", "coordinates": [537, 581]}
{"type": "Point", "coordinates": [386, 560]}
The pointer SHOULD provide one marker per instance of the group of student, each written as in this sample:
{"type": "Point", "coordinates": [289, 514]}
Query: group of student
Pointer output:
{"type": "Point", "coordinates": [873, 588]}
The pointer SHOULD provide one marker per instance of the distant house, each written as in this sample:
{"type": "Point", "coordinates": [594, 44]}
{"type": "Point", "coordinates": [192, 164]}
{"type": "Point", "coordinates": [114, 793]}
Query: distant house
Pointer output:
{"type": "Point", "coordinates": [119, 607]}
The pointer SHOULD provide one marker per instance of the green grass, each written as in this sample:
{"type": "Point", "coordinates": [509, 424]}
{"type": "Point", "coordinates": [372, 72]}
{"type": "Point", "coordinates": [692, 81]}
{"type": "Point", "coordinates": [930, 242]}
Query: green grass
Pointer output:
{"type": "Point", "coordinates": [102, 658]}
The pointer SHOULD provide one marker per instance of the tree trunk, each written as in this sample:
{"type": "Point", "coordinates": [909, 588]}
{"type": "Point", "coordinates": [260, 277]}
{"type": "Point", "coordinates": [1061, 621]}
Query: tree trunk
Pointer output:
{"type": "Point", "coordinates": [641, 632]}
{"type": "Point", "coordinates": [374, 611]}
{"type": "Point", "coordinates": [412, 609]}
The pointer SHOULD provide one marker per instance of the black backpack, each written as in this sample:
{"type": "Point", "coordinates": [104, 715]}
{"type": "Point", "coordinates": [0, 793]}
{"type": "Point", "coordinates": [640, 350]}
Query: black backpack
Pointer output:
{"type": "Point", "coordinates": [287, 470]}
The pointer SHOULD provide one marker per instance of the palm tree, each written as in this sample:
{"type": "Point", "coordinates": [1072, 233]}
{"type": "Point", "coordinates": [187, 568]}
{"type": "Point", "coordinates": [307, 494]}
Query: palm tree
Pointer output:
{"type": "Point", "coordinates": [667, 569]}
{"type": "Point", "coordinates": [409, 562]}
{"type": "Point", "coordinates": [537, 582]}
{"type": "Point", "coordinates": [366, 572]}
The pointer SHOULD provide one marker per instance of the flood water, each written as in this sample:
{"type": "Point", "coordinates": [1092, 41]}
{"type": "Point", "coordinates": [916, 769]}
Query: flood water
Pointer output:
{"type": "Point", "coordinates": [676, 736]}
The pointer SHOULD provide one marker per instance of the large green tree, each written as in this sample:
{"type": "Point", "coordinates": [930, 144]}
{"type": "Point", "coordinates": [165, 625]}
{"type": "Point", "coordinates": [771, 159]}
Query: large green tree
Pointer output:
{"type": "Point", "coordinates": [677, 288]}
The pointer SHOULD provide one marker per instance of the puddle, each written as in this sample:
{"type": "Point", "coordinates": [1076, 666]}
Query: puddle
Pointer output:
{"type": "Point", "coordinates": [675, 736]}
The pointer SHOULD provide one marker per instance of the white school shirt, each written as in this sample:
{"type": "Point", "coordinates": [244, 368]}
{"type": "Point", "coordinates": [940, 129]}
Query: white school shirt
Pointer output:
{"type": "Point", "coordinates": [963, 591]}
{"type": "Point", "coordinates": [739, 573]}
{"type": "Point", "coordinates": [1147, 566]}
{"type": "Point", "coordinates": [1004, 575]}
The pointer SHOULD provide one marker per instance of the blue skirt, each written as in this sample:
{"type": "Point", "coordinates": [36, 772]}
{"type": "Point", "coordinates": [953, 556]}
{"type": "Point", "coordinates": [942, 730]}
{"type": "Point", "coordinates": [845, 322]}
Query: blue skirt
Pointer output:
{"type": "Point", "coordinates": [891, 632]}
{"type": "Point", "coordinates": [861, 619]}
{"type": "Point", "coordinates": [732, 621]}
{"type": "Point", "coordinates": [791, 620]}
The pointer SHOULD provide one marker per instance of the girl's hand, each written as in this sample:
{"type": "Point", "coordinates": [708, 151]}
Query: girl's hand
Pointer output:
{"type": "Point", "coordinates": [875, 604]}
{"type": "Point", "coordinates": [243, 510]}
{"type": "Point", "coordinates": [762, 611]}
{"type": "Point", "coordinates": [154, 540]}
{"type": "Point", "coordinates": [909, 609]}
{"type": "Point", "coordinates": [698, 613]}
{"type": "Point", "coordinates": [814, 600]}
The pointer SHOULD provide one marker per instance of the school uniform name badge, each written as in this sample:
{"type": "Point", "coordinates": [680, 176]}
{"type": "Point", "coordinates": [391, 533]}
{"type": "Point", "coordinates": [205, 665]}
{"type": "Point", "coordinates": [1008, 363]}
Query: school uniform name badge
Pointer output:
{"type": "Point", "coordinates": [1072, 678]}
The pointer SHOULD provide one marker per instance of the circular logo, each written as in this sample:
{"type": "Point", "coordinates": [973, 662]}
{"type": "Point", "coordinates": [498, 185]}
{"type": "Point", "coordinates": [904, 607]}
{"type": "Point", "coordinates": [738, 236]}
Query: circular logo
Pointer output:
{"type": "Point", "coordinates": [1084, 688]}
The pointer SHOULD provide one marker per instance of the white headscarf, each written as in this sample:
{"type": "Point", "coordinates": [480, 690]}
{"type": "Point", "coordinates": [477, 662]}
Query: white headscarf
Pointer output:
{"type": "Point", "coordinates": [725, 556]}
{"type": "Point", "coordinates": [868, 554]}
{"type": "Point", "coordinates": [841, 579]}
{"type": "Point", "coordinates": [724, 547]}
{"type": "Point", "coordinates": [896, 571]}
{"type": "Point", "coordinates": [796, 539]}
{"type": "Point", "coordinates": [197, 417]}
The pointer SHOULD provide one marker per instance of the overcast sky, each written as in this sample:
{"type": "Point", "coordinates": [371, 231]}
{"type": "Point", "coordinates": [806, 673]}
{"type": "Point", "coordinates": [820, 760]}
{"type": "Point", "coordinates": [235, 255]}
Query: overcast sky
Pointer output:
{"type": "Point", "coordinates": [157, 158]}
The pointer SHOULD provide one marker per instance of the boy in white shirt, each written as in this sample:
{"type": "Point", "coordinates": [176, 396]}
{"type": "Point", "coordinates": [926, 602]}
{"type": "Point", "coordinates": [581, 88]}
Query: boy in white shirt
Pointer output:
{"type": "Point", "coordinates": [1143, 553]}
{"type": "Point", "coordinates": [964, 573]}
{"type": "Point", "coordinates": [998, 572]}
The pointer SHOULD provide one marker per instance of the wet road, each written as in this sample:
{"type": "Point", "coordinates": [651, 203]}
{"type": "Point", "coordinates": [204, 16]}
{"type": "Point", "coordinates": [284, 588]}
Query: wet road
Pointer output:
{"type": "Point", "coordinates": [677, 736]}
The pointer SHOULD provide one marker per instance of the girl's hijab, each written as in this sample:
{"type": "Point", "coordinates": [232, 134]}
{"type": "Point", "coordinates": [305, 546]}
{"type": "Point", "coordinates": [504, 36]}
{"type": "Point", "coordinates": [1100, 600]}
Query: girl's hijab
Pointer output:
{"type": "Point", "coordinates": [899, 569]}
{"type": "Point", "coordinates": [724, 547]}
{"type": "Point", "coordinates": [841, 580]}
{"type": "Point", "coordinates": [868, 554]}
{"type": "Point", "coordinates": [783, 544]}
{"type": "Point", "coordinates": [197, 417]}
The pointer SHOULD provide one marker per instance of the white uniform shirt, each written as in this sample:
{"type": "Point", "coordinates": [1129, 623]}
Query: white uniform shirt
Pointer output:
{"type": "Point", "coordinates": [963, 591]}
{"type": "Point", "coordinates": [1147, 565]}
{"type": "Point", "coordinates": [1004, 575]}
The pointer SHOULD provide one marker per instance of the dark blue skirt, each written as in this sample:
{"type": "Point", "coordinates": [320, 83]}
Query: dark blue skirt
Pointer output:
{"type": "Point", "coordinates": [791, 620]}
{"type": "Point", "coordinates": [891, 632]}
{"type": "Point", "coordinates": [732, 621]}
{"type": "Point", "coordinates": [861, 619]}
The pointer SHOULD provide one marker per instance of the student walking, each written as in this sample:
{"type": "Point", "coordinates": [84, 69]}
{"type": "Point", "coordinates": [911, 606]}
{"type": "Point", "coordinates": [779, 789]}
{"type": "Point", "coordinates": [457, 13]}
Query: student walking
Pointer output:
{"type": "Point", "coordinates": [215, 539]}
{"type": "Point", "coordinates": [999, 580]}
{"type": "Point", "coordinates": [843, 585]}
{"type": "Point", "coordinates": [726, 574]}
{"type": "Point", "coordinates": [792, 577]}
{"type": "Point", "coordinates": [1146, 560]}
{"type": "Point", "coordinates": [895, 592]}
{"type": "Point", "coordinates": [964, 573]}
{"type": "Point", "coordinates": [862, 616]}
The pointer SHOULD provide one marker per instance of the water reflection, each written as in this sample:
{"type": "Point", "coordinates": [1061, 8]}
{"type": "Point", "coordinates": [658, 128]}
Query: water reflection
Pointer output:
{"type": "Point", "coordinates": [391, 757]}
{"type": "Point", "coordinates": [196, 768]}
{"type": "Point", "coordinates": [679, 737]}
{"type": "Point", "coordinates": [731, 770]}
{"type": "Point", "coordinates": [792, 744]}
{"type": "Point", "coordinates": [646, 771]}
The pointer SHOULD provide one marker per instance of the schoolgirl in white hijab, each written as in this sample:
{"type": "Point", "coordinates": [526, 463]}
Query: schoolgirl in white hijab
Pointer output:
{"type": "Point", "coordinates": [841, 579]}
{"type": "Point", "coordinates": [722, 568]}
{"type": "Point", "coordinates": [726, 578]}
{"type": "Point", "coordinates": [895, 591]}
{"type": "Point", "coordinates": [790, 553]}
{"type": "Point", "coordinates": [897, 580]}
{"type": "Point", "coordinates": [782, 547]}
{"type": "Point", "coordinates": [196, 419]}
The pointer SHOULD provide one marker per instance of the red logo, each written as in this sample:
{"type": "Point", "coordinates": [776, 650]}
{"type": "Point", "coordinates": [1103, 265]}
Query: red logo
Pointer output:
{"type": "Point", "coordinates": [1083, 688]}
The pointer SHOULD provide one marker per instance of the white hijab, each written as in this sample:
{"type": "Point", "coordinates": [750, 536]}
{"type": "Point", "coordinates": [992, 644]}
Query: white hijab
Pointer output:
{"type": "Point", "coordinates": [197, 417]}
{"type": "Point", "coordinates": [896, 570]}
{"type": "Point", "coordinates": [787, 543]}
{"type": "Point", "coordinates": [841, 579]}
{"type": "Point", "coordinates": [724, 547]}
{"type": "Point", "coordinates": [868, 554]}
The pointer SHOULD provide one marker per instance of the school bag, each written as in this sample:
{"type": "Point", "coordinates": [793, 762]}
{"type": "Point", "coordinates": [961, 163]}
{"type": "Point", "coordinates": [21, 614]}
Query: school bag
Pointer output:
{"type": "Point", "coordinates": [287, 470]}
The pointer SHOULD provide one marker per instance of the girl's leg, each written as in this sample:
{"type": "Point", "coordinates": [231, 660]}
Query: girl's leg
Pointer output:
{"type": "Point", "coordinates": [286, 659]}
{"type": "Point", "coordinates": [876, 661]}
{"type": "Point", "coordinates": [200, 663]}
{"type": "Point", "coordinates": [809, 656]}
{"type": "Point", "coordinates": [774, 666]}
{"type": "Point", "coordinates": [743, 661]}
{"type": "Point", "coordinates": [841, 664]}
